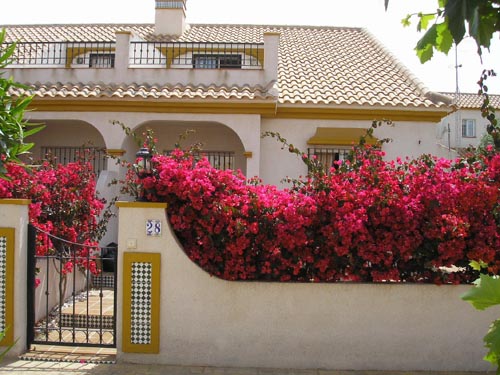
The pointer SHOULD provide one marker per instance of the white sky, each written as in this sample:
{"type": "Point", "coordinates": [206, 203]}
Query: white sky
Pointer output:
{"type": "Point", "coordinates": [438, 74]}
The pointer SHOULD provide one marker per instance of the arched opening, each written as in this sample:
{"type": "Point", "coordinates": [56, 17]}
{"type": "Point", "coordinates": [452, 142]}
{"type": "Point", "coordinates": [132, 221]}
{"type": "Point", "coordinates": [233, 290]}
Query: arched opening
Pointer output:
{"type": "Point", "coordinates": [65, 140]}
{"type": "Point", "coordinates": [220, 144]}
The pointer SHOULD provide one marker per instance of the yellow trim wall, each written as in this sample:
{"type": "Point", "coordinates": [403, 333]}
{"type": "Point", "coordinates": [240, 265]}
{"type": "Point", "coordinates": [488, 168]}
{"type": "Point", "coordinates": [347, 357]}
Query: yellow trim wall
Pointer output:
{"type": "Point", "coordinates": [154, 259]}
{"type": "Point", "coordinates": [267, 109]}
{"type": "Point", "coordinates": [16, 202]}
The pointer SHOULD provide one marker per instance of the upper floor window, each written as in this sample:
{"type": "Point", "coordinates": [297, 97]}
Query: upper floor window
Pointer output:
{"type": "Point", "coordinates": [209, 61]}
{"type": "Point", "coordinates": [102, 60]}
{"type": "Point", "coordinates": [468, 128]}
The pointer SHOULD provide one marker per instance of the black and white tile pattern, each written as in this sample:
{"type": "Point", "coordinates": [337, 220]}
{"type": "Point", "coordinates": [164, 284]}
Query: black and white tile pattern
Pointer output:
{"type": "Point", "coordinates": [103, 281]}
{"type": "Point", "coordinates": [140, 317]}
{"type": "Point", "coordinates": [87, 321]}
{"type": "Point", "coordinates": [3, 273]}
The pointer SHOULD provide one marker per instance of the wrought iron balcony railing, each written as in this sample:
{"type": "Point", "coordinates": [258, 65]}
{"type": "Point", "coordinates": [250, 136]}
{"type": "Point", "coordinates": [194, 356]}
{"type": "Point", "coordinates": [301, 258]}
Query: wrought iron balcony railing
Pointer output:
{"type": "Point", "coordinates": [218, 159]}
{"type": "Point", "coordinates": [66, 54]}
{"type": "Point", "coordinates": [197, 55]}
{"type": "Point", "coordinates": [96, 156]}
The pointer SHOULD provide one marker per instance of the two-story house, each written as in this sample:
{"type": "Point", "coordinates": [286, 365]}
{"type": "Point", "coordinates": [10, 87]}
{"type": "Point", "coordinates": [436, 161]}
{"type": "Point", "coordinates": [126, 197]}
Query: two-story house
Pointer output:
{"type": "Point", "coordinates": [465, 127]}
{"type": "Point", "coordinates": [319, 87]}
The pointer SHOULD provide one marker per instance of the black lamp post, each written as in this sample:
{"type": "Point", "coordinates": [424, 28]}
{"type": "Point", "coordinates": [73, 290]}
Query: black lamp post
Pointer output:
{"type": "Point", "coordinates": [143, 169]}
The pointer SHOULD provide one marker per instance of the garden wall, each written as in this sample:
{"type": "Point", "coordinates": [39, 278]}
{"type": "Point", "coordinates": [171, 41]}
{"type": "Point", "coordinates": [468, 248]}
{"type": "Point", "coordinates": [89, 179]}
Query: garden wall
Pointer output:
{"type": "Point", "coordinates": [210, 322]}
{"type": "Point", "coordinates": [13, 279]}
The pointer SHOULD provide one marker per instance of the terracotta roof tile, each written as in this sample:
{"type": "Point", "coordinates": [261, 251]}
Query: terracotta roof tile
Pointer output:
{"type": "Point", "coordinates": [473, 101]}
{"type": "Point", "coordinates": [143, 91]}
{"type": "Point", "coordinates": [317, 65]}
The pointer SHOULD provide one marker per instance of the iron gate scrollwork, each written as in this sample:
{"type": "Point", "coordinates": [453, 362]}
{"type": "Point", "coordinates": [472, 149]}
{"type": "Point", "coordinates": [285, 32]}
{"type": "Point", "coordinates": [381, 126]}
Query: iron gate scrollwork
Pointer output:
{"type": "Point", "coordinates": [71, 293]}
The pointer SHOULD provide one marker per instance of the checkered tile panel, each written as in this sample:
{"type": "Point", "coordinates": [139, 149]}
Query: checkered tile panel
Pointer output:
{"type": "Point", "coordinates": [3, 273]}
{"type": "Point", "coordinates": [141, 303]}
{"type": "Point", "coordinates": [105, 281]}
{"type": "Point", "coordinates": [87, 321]}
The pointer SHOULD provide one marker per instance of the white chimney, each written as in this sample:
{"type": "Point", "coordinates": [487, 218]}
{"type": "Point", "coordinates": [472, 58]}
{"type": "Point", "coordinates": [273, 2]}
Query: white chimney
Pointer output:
{"type": "Point", "coordinates": [170, 17]}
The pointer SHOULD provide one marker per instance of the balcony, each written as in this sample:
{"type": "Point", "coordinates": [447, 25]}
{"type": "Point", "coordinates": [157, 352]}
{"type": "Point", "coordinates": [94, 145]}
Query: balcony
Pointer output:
{"type": "Point", "coordinates": [142, 54]}
{"type": "Point", "coordinates": [128, 60]}
{"type": "Point", "coordinates": [197, 55]}
{"type": "Point", "coordinates": [63, 54]}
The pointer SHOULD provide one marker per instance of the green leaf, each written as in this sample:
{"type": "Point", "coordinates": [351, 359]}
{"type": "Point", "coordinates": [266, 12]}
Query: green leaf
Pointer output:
{"type": "Point", "coordinates": [444, 39]}
{"type": "Point", "coordinates": [485, 293]}
{"type": "Point", "coordinates": [426, 44]}
{"type": "Point", "coordinates": [477, 266]}
{"type": "Point", "coordinates": [492, 342]}
{"type": "Point", "coordinates": [34, 130]}
{"type": "Point", "coordinates": [486, 27]}
{"type": "Point", "coordinates": [406, 21]}
{"type": "Point", "coordinates": [424, 21]}
{"type": "Point", "coordinates": [455, 13]}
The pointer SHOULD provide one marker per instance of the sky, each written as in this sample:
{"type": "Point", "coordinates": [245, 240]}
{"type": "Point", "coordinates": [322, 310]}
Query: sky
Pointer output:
{"type": "Point", "coordinates": [439, 74]}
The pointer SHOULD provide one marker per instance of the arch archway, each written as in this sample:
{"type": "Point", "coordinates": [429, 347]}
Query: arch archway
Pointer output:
{"type": "Point", "coordinates": [63, 138]}
{"type": "Point", "coordinates": [220, 144]}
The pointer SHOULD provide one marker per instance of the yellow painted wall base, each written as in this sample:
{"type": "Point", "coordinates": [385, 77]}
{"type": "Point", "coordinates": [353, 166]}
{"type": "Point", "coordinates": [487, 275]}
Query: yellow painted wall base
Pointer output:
{"type": "Point", "coordinates": [136, 288]}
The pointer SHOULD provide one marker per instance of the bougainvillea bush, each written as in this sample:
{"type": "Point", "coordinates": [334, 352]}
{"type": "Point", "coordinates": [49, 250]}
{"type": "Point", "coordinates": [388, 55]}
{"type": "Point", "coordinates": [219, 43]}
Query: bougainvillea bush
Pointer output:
{"type": "Point", "coordinates": [369, 220]}
{"type": "Point", "coordinates": [64, 205]}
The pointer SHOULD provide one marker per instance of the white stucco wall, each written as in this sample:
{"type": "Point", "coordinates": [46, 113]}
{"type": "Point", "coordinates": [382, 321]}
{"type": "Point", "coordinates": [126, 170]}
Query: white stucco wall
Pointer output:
{"type": "Point", "coordinates": [409, 139]}
{"type": "Point", "coordinates": [210, 322]}
{"type": "Point", "coordinates": [453, 122]}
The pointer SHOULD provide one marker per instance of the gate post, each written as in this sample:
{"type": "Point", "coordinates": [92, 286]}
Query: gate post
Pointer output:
{"type": "Point", "coordinates": [141, 238]}
{"type": "Point", "coordinates": [14, 222]}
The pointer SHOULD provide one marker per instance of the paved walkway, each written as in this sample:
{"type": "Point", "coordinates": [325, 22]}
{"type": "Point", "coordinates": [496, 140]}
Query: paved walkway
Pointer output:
{"type": "Point", "coordinates": [19, 367]}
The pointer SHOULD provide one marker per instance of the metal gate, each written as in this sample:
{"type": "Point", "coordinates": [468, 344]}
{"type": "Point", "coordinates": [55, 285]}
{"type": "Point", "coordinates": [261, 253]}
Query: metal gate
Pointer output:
{"type": "Point", "coordinates": [71, 293]}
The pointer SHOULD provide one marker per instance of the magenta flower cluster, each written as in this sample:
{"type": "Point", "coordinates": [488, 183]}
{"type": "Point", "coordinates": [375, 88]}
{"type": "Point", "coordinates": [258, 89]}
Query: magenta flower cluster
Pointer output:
{"type": "Point", "coordinates": [64, 204]}
{"type": "Point", "coordinates": [368, 220]}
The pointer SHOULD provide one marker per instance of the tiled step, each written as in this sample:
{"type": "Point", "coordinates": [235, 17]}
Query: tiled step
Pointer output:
{"type": "Point", "coordinates": [87, 313]}
{"type": "Point", "coordinates": [70, 354]}
{"type": "Point", "coordinates": [104, 280]}
{"type": "Point", "coordinates": [86, 321]}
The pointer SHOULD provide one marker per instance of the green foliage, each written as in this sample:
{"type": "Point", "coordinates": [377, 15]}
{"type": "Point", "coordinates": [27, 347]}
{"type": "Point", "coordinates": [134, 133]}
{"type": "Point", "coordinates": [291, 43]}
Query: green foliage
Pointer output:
{"type": "Point", "coordinates": [454, 20]}
{"type": "Point", "coordinates": [13, 126]}
{"type": "Point", "coordinates": [6, 350]}
{"type": "Point", "coordinates": [492, 342]}
{"type": "Point", "coordinates": [486, 293]}
{"type": "Point", "coordinates": [488, 110]}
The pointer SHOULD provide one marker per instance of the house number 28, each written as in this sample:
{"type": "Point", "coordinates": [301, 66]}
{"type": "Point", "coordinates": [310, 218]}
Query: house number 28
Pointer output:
{"type": "Point", "coordinates": [153, 228]}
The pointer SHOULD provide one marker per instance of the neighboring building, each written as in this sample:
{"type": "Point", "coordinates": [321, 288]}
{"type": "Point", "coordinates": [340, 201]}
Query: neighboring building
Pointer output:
{"type": "Point", "coordinates": [317, 86]}
{"type": "Point", "coordinates": [464, 127]}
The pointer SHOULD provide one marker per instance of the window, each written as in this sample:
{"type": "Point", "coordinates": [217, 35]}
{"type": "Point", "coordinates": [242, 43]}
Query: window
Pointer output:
{"type": "Point", "coordinates": [328, 156]}
{"type": "Point", "coordinates": [329, 145]}
{"type": "Point", "coordinates": [102, 60]}
{"type": "Point", "coordinates": [217, 61]}
{"type": "Point", "coordinates": [468, 128]}
{"type": "Point", "coordinates": [205, 62]}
